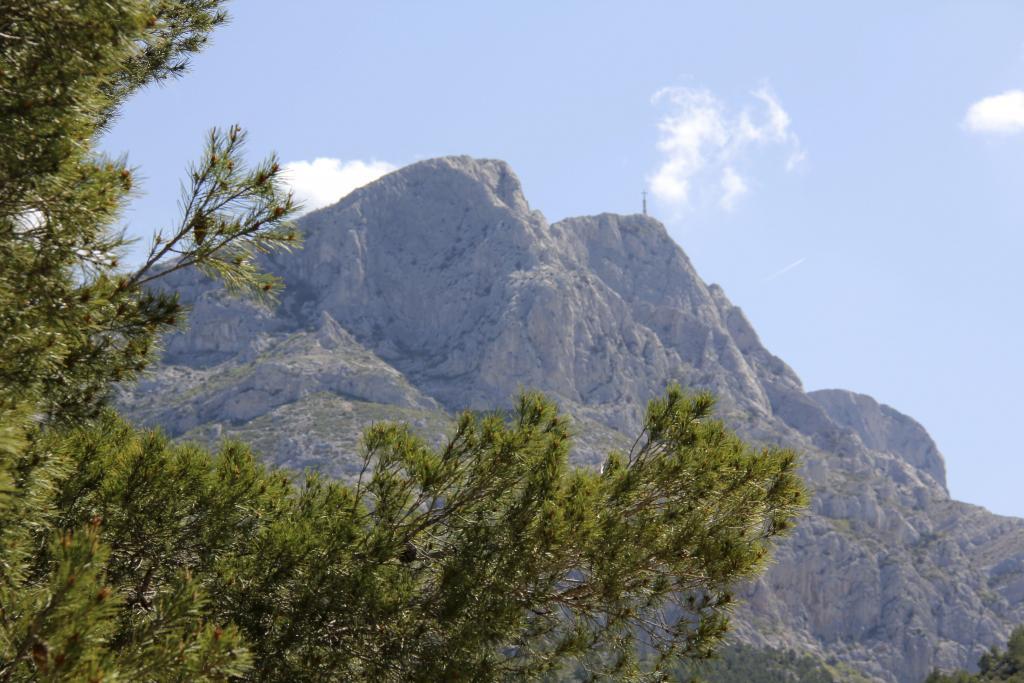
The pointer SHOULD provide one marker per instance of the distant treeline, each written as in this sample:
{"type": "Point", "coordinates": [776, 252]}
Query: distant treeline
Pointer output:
{"type": "Point", "coordinates": [755, 665]}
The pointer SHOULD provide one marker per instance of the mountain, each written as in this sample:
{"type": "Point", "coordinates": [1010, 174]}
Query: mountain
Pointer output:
{"type": "Point", "coordinates": [437, 288]}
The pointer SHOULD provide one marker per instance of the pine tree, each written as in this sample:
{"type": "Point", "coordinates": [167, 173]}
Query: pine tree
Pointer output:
{"type": "Point", "coordinates": [489, 558]}
{"type": "Point", "coordinates": [72, 322]}
{"type": "Point", "coordinates": [125, 556]}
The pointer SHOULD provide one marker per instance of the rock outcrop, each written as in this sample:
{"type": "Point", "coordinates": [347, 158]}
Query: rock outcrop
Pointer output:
{"type": "Point", "coordinates": [882, 428]}
{"type": "Point", "coordinates": [437, 288]}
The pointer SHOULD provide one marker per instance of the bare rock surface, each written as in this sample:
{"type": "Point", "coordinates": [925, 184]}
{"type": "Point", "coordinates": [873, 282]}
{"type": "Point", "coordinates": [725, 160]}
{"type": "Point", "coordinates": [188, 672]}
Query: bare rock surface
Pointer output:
{"type": "Point", "coordinates": [437, 288]}
{"type": "Point", "coordinates": [882, 428]}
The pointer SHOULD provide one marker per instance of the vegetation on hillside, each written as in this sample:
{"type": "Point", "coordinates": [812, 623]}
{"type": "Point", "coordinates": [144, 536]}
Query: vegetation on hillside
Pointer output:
{"type": "Point", "coordinates": [738, 662]}
{"type": "Point", "coordinates": [994, 665]}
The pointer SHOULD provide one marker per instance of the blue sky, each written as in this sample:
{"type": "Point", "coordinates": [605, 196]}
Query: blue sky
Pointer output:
{"type": "Point", "coordinates": [853, 177]}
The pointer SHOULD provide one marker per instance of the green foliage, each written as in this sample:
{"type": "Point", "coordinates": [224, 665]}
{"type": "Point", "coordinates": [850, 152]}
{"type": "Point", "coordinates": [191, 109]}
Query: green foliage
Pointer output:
{"type": "Point", "coordinates": [994, 665]}
{"type": "Point", "coordinates": [72, 322]}
{"type": "Point", "coordinates": [937, 676]}
{"type": "Point", "coordinates": [489, 558]}
{"type": "Point", "coordinates": [175, 29]}
{"type": "Point", "coordinates": [739, 662]}
{"type": "Point", "coordinates": [126, 557]}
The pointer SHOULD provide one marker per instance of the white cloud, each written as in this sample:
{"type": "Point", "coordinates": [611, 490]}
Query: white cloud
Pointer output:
{"type": "Point", "coordinates": [997, 114]}
{"type": "Point", "coordinates": [733, 188]}
{"type": "Point", "coordinates": [324, 181]}
{"type": "Point", "coordinates": [700, 140]}
{"type": "Point", "coordinates": [778, 120]}
{"type": "Point", "coordinates": [695, 124]}
{"type": "Point", "coordinates": [796, 158]}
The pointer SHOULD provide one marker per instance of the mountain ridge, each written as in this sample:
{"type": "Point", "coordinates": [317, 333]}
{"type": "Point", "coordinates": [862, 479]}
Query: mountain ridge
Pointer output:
{"type": "Point", "coordinates": [437, 288]}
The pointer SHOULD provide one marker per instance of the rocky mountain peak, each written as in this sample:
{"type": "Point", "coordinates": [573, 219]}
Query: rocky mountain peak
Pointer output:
{"type": "Point", "coordinates": [436, 288]}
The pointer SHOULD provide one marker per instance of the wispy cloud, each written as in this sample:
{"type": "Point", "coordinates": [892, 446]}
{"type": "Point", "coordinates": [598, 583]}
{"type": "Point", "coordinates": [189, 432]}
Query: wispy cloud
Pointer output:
{"type": "Point", "coordinates": [785, 270]}
{"type": "Point", "coordinates": [701, 140]}
{"type": "Point", "coordinates": [733, 187]}
{"type": "Point", "coordinates": [324, 181]}
{"type": "Point", "coordinates": [1002, 113]}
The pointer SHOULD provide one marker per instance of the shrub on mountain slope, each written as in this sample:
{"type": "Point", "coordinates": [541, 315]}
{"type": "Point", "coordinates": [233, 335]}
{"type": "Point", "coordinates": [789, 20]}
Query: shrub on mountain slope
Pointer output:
{"type": "Point", "coordinates": [738, 662]}
{"type": "Point", "coordinates": [994, 665]}
{"type": "Point", "coordinates": [123, 556]}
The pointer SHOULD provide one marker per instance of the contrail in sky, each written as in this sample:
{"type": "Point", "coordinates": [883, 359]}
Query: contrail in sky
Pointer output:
{"type": "Point", "coordinates": [785, 270]}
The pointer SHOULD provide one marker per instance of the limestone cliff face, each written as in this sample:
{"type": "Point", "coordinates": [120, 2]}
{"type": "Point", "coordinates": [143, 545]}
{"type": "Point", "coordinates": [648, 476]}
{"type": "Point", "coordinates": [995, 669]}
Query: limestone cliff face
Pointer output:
{"type": "Point", "coordinates": [882, 428]}
{"type": "Point", "coordinates": [437, 288]}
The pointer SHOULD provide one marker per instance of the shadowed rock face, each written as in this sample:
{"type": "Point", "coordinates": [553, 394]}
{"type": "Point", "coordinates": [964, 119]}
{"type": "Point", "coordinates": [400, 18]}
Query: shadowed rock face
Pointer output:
{"type": "Point", "coordinates": [436, 288]}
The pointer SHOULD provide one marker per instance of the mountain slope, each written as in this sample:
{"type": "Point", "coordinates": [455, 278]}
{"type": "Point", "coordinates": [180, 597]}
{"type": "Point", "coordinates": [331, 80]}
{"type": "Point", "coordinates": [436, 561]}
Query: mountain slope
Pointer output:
{"type": "Point", "coordinates": [436, 288]}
